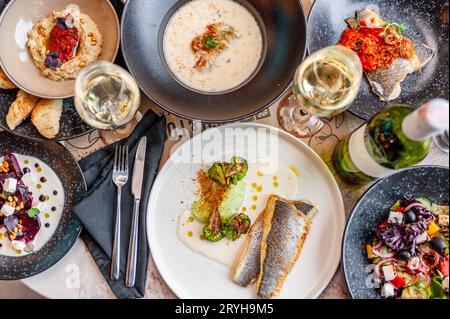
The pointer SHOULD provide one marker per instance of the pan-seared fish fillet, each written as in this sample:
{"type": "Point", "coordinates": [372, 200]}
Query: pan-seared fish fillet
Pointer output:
{"type": "Point", "coordinates": [5, 83]}
{"type": "Point", "coordinates": [248, 265]}
{"type": "Point", "coordinates": [386, 83]}
{"type": "Point", "coordinates": [20, 109]}
{"type": "Point", "coordinates": [284, 232]}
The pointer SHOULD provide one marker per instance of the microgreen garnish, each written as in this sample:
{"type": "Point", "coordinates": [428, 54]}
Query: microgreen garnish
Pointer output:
{"type": "Point", "coordinates": [400, 28]}
{"type": "Point", "coordinates": [33, 212]}
{"type": "Point", "coordinates": [211, 43]}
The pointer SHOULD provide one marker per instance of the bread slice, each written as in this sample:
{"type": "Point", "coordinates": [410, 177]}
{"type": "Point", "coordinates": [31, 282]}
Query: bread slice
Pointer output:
{"type": "Point", "coordinates": [20, 109]}
{"type": "Point", "coordinates": [46, 117]}
{"type": "Point", "coordinates": [5, 83]}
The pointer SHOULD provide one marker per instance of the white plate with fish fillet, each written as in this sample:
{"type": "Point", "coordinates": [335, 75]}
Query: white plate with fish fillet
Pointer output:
{"type": "Point", "coordinates": [278, 164]}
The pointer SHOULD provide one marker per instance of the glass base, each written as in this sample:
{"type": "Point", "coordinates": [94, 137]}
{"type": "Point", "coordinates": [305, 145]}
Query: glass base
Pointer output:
{"type": "Point", "coordinates": [296, 120]}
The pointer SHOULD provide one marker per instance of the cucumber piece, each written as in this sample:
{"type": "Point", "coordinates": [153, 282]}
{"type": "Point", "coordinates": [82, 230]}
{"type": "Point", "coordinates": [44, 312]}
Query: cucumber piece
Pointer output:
{"type": "Point", "coordinates": [426, 202]}
{"type": "Point", "coordinates": [201, 211]}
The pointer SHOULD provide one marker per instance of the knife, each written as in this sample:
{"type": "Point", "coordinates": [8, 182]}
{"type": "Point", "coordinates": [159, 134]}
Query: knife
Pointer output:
{"type": "Point", "coordinates": [136, 190]}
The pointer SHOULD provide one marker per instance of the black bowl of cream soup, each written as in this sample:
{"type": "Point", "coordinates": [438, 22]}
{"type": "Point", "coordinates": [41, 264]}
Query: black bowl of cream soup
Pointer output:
{"type": "Point", "coordinates": [214, 60]}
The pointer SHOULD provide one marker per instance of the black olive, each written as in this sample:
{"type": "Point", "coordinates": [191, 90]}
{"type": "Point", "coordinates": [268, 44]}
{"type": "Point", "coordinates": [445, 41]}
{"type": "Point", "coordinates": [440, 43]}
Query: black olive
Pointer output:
{"type": "Point", "coordinates": [404, 255]}
{"type": "Point", "coordinates": [26, 170]}
{"type": "Point", "coordinates": [410, 217]}
{"type": "Point", "coordinates": [42, 198]}
{"type": "Point", "coordinates": [438, 243]}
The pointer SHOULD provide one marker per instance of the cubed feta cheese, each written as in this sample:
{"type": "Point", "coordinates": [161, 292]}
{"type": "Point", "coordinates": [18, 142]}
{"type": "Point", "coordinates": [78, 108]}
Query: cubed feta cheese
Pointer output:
{"type": "Point", "coordinates": [414, 263]}
{"type": "Point", "coordinates": [443, 220]}
{"type": "Point", "coordinates": [422, 238]}
{"type": "Point", "coordinates": [388, 290]}
{"type": "Point", "coordinates": [388, 272]}
{"type": "Point", "coordinates": [41, 206]}
{"type": "Point", "coordinates": [10, 185]}
{"type": "Point", "coordinates": [7, 210]}
{"type": "Point", "coordinates": [18, 245]}
{"type": "Point", "coordinates": [396, 218]}
{"type": "Point", "coordinates": [445, 282]}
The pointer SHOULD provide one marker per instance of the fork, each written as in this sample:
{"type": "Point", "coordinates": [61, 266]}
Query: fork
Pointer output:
{"type": "Point", "coordinates": [120, 178]}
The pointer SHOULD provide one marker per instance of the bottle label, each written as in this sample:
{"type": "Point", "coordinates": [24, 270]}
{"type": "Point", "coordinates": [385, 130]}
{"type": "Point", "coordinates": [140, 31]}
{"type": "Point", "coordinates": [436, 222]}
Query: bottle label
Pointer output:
{"type": "Point", "coordinates": [361, 157]}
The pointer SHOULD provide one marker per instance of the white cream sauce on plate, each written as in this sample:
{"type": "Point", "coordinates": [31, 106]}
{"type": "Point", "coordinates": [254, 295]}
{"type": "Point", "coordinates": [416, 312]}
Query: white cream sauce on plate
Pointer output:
{"type": "Point", "coordinates": [233, 66]}
{"type": "Point", "coordinates": [261, 182]}
{"type": "Point", "coordinates": [49, 218]}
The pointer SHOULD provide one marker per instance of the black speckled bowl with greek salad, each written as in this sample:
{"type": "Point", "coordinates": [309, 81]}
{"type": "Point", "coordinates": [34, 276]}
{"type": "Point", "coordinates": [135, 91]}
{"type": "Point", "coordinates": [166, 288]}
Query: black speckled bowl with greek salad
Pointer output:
{"type": "Point", "coordinates": [396, 243]}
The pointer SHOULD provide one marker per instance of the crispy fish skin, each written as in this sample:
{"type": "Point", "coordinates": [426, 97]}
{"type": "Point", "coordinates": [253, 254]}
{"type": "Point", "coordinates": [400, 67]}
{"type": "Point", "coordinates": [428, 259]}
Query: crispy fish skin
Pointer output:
{"type": "Point", "coordinates": [248, 266]}
{"type": "Point", "coordinates": [284, 232]}
{"type": "Point", "coordinates": [386, 83]}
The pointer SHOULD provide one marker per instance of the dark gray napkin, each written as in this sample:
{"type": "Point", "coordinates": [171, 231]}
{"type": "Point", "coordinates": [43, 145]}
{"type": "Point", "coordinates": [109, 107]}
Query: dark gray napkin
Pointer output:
{"type": "Point", "coordinates": [97, 210]}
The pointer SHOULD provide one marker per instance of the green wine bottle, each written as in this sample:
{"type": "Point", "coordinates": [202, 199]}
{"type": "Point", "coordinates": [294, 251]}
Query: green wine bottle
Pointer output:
{"type": "Point", "coordinates": [395, 138]}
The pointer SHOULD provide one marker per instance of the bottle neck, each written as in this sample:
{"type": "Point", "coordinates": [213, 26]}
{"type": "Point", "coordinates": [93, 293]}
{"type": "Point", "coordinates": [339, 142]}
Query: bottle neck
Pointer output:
{"type": "Point", "coordinates": [417, 130]}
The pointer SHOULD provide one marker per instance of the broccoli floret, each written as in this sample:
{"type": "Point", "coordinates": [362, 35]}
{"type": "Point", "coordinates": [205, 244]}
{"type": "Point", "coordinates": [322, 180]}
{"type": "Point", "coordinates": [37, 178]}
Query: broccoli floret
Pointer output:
{"type": "Point", "coordinates": [217, 173]}
{"type": "Point", "coordinates": [236, 170]}
{"type": "Point", "coordinates": [239, 225]}
{"type": "Point", "coordinates": [213, 231]}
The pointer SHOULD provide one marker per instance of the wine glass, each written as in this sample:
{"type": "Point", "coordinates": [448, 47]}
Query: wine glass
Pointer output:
{"type": "Point", "coordinates": [325, 84]}
{"type": "Point", "coordinates": [107, 98]}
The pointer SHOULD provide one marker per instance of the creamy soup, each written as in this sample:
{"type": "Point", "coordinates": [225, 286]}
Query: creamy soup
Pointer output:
{"type": "Point", "coordinates": [233, 52]}
{"type": "Point", "coordinates": [47, 190]}
{"type": "Point", "coordinates": [261, 182]}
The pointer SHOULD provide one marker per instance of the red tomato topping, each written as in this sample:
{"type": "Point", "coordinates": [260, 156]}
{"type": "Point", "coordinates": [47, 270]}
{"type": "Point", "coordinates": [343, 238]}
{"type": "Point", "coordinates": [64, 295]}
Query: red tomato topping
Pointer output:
{"type": "Point", "coordinates": [63, 41]}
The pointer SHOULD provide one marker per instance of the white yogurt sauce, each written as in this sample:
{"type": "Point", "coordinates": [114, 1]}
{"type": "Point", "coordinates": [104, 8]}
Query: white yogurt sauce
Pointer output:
{"type": "Point", "coordinates": [232, 67]}
{"type": "Point", "coordinates": [38, 188]}
{"type": "Point", "coordinates": [284, 182]}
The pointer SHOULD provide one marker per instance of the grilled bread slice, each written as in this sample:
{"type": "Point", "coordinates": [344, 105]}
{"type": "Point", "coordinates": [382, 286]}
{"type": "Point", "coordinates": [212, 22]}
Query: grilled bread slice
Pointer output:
{"type": "Point", "coordinates": [46, 117]}
{"type": "Point", "coordinates": [20, 109]}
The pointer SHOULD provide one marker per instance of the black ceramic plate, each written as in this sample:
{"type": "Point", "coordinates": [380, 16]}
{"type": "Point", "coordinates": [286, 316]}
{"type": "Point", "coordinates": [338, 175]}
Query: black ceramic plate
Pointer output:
{"type": "Point", "coordinates": [373, 207]}
{"type": "Point", "coordinates": [69, 228]}
{"type": "Point", "coordinates": [71, 124]}
{"type": "Point", "coordinates": [143, 26]}
{"type": "Point", "coordinates": [427, 21]}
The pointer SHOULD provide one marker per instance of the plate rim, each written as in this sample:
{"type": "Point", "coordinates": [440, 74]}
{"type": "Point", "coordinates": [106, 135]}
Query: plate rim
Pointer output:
{"type": "Point", "coordinates": [43, 139]}
{"type": "Point", "coordinates": [238, 118]}
{"type": "Point", "coordinates": [71, 95]}
{"type": "Point", "coordinates": [359, 202]}
{"type": "Point", "coordinates": [69, 248]}
{"type": "Point", "coordinates": [333, 184]}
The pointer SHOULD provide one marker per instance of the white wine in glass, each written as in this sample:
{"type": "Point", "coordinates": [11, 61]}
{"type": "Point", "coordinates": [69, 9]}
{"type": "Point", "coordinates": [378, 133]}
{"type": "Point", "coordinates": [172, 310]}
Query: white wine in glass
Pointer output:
{"type": "Point", "coordinates": [325, 85]}
{"type": "Point", "coordinates": [106, 96]}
